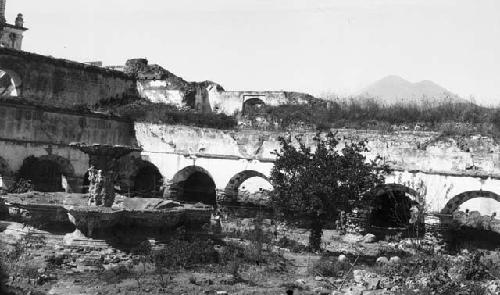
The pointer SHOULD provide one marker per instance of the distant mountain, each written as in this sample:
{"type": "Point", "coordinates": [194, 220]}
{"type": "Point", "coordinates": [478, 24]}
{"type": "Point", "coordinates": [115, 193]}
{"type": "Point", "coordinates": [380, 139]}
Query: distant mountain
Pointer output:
{"type": "Point", "coordinates": [394, 89]}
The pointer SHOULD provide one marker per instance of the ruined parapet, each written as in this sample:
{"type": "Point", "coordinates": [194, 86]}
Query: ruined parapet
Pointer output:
{"type": "Point", "coordinates": [2, 11]}
{"type": "Point", "coordinates": [11, 36]}
{"type": "Point", "coordinates": [20, 20]}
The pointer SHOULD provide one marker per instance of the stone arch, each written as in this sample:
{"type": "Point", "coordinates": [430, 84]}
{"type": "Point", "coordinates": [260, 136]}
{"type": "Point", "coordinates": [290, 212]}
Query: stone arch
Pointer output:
{"type": "Point", "coordinates": [146, 180]}
{"type": "Point", "coordinates": [231, 190]}
{"type": "Point", "coordinates": [193, 184]}
{"type": "Point", "coordinates": [10, 83]}
{"type": "Point", "coordinates": [455, 202]}
{"type": "Point", "coordinates": [49, 173]}
{"type": "Point", "coordinates": [390, 205]}
{"type": "Point", "coordinates": [252, 102]}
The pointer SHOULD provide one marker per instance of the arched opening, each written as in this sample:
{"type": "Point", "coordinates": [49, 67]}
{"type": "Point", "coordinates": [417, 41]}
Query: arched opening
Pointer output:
{"type": "Point", "coordinates": [454, 204]}
{"type": "Point", "coordinates": [147, 181]}
{"type": "Point", "coordinates": [248, 186]}
{"type": "Point", "coordinates": [390, 205]}
{"type": "Point", "coordinates": [5, 173]}
{"type": "Point", "coordinates": [9, 83]}
{"type": "Point", "coordinates": [473, 220]}
{"type": "Point", "coordinates": [47, 173]}
{"type": "Point", "coordinates": [194, 184]}
{"type": "Point", "coordinates": [252, 105]}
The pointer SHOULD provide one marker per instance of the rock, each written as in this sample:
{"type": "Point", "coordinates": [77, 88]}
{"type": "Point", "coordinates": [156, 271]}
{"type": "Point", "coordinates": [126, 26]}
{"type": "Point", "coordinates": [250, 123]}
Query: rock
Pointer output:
{"type": "Point", "coordinates": [321, 291]}
{"type": "Point", "coordinates": [382, 260]}
{"type": "Point", "coordinates": [369, 238]}
{"type": "Point", "coordinates": [395, 260]}
{"type": "Point", "coordinates": [167, 204]}
{"type": "Point", "coordinates": [342, 259]}
{"type": "Point", "coordinates": [358, 275]}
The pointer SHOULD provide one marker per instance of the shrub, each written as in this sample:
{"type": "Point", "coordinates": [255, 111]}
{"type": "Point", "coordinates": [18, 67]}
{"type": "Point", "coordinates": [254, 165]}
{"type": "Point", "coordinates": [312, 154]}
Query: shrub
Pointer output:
{"type": "Point", "coordinates": [21, 186]}
{"type": "Point", "coordinates": [372, 115]}
{"type": "Point", "coordinates": [328, 266]}
{"type": "Point", "coordinates": [143, 111]}
{"type": "Point", "coordinates": [180, 254]}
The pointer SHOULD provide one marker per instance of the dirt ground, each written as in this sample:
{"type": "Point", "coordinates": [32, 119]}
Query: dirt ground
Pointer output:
{"type": "Point", "coordinates": [241, 256]}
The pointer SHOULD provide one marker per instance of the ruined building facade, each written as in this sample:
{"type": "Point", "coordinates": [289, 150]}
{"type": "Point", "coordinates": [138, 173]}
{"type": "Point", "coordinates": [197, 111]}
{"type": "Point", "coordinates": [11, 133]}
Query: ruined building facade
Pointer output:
{"type": "Point", "coordinates": [11, 35]}
{"type": "Point", "coordinates": [41, 99]}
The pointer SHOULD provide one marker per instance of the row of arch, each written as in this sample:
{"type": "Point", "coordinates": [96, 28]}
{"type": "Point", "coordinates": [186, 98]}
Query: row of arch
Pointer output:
{"type": "Point", "coordinates": [53, 173]}
{"type": "Point", "coordinates": [190, 184]}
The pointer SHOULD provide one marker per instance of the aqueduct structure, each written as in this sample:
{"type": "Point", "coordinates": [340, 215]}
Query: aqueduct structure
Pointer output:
{"type": "Point", "coordinates": [39, 123]}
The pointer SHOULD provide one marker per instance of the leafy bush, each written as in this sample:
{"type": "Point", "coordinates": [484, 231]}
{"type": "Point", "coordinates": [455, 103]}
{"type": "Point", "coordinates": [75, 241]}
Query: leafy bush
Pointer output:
{"type": "Point", "coordinates": [328, 266]}
{"type": "Point", "coordinates": [181, 254]}
{"type": "Point", "coordinates": [21, 186]}
{"type": "Point", "coordinates": [441, 274]}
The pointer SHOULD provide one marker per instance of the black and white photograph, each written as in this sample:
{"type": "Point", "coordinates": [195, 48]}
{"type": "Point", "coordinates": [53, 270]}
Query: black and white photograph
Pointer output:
{"type": "Point", "coordinates": [281, 147]}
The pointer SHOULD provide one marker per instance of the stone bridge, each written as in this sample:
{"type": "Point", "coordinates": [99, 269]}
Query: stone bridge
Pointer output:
{"type": "Point", "coordinates": [38, 123]}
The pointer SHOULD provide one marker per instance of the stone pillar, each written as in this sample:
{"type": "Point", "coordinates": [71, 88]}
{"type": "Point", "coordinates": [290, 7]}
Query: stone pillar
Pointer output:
{"type": "Point", "coordinates": [19, 20]}
{"type": "Point", "coordinates": [2, 11]}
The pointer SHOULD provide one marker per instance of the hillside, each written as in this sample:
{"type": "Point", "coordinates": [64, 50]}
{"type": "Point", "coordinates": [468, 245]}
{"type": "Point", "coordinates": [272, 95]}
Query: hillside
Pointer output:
{"type": "Point", "coordinates": [394, 89]}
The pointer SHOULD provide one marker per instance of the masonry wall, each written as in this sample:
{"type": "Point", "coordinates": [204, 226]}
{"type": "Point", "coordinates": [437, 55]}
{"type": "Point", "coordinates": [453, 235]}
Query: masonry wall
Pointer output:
{"type": "Point", "coordinates": [28, 131]}
{"type": "Point", "coordinates": [229, 102]}
{"type": "Point", "coordinates": [30, 124]}
{"type": "Point", "coordinates": [61, 83]}
{"type": "Point", "coordinates": [445, 166]}
{"type": "Point", "coordinates": [158, 91]}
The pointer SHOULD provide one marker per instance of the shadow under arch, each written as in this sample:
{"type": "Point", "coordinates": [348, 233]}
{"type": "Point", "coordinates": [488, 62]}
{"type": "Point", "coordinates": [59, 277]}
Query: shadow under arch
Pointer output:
{"type": "Point", "coordinates": [390, 205]}
{"type": "Point", "coordinates": [193, 184]}
{"type": "Point", "coordinates": [454, 203]}
{"type": "Point", "coordinates": [231, 190]}
{"type": "Point", "coordinates": [46, 173]}
{"type": "Point", "coordinates": [146, 180]}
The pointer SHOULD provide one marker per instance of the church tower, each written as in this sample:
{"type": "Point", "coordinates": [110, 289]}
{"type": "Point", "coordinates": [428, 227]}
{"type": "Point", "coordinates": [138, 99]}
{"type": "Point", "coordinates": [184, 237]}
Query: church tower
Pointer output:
{"type": "Point", "coordinates": [11, 36]}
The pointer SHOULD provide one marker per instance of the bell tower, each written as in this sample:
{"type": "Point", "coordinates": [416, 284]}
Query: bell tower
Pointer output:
{"type": "Point", "coordinates": [11, 36]}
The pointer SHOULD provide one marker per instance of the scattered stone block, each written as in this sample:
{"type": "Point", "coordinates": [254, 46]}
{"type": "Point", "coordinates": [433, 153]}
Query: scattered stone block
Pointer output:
{"type": "Point", "coordinates": [395, 260]}
{"type": "Point", "coordinates": [343, 259]}
{"type": "Point", "coordinates": [369, 238]}
{"type": "Point", "coordinates": [382, 260]}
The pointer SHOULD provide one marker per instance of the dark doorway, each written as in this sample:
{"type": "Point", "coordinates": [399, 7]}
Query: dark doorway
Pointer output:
{"type": "Point", "coordinates": [45, 175]}
{"type": "Point", "coordinates": [198, 187]}
{"type": "Point", "coordinates": [391, 209]}
{"type": "Point", "coordinates": [148, 181]}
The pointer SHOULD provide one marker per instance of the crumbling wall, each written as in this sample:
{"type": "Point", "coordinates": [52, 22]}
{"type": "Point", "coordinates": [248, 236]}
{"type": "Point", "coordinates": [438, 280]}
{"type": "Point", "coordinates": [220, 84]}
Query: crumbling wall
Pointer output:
{"type": "Point", "coordinates": [30, 124]}
{"type": "Point", "coordinates": [56, 82]}
{"type": "Point", "coordinates": [28, 131]}
{"type": "Point", "coordinates": [158, 91]}
{"type": "Point", "coordinates": [230, 102]}
{"type": "Point", "coordinates": [436, 167]}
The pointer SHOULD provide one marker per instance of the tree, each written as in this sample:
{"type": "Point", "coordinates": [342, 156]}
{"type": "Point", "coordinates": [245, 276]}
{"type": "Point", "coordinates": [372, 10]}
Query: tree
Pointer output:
{"type": "Point", "coordinates": [316, 184]}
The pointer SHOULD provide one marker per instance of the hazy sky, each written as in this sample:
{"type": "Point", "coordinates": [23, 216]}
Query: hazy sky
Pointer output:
{"type": "Point", "coordinates": [306, 45]}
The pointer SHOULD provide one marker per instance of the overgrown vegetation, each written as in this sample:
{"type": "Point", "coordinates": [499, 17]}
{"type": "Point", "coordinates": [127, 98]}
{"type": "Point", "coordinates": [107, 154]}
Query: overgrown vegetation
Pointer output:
{"type": "Point", "coordinates": [441, 274]}
{"type": "Point", "coordinates": [317, 185]}
{"type": "Point", "coordinates": [144, 111]}
{"type": "Point", "coordinates": [372, 115]}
